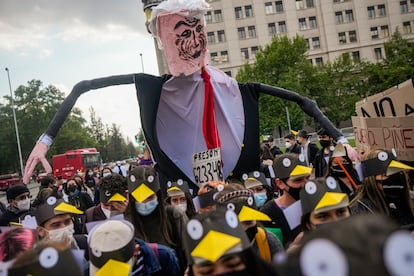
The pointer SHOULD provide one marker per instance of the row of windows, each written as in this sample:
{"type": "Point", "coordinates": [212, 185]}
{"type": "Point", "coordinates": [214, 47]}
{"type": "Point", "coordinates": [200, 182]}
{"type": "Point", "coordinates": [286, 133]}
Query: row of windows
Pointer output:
{"type": "Point", "coordinates": [211, 37]}
{"type": "Point", "coordinates": [247, 53]}
{"type": "Point", "coordinates": [407, 28]}
{"type": "Point", "coordinates": [407, 6]}
{"type": "Point", "coordinates": [271, 27]}
{"type": "Point", "coordinates": [271, 7]}
{"type": "Point", "coordinates": [339, 16]}
{"type": "Point", "coordinates": [248, 12]}
{"type": "Point", "coordinates": [223, 56]}
{"type": "Point", "coordinates": [340, 1]}
{"type": "Point", "coordinates": [251, 32]}
{"type": "Point", "coordinates": [304, 4]}
{"type": "Point", "coordinates": [310, 23]}
{"type": "Point", "coordinates": [217, 16]}
{"type": "Point", "coordinates": [344, 37]}
{"type": "Point", "coordinates": [379, 32]}
{"type": "Point", "coordinates": [313, 43]}
{"type": "Point", "coordinates": [376, 11]}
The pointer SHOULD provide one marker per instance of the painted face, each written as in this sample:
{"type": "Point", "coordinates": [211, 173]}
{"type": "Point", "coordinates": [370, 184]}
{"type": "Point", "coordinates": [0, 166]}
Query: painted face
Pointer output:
{"type": "Point", "coordinates": [184, 42]}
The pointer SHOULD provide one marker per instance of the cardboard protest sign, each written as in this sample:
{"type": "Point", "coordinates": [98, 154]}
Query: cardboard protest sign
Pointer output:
{"type": "Point", "coordinates": [387, 133]}
{"type": "Point", "coordinates": [393, 102]}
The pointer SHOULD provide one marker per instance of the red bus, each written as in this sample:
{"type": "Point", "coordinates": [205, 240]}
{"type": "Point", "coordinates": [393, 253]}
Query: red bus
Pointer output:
{"type": "Point", "coordinates": [73, 161]}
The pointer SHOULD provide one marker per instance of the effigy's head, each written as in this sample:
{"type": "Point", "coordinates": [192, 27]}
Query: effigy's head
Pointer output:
{"type": "Point", "coordinates": [179, 27]}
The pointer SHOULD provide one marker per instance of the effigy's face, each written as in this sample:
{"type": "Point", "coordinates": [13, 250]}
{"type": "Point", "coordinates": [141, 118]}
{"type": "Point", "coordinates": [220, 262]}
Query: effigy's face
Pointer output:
{"type": "Point", "coordinates": [184, 42]}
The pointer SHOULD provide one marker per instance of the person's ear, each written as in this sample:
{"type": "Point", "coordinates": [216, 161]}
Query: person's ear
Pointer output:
{"type": "Point", "coordinates": [280, 184]}
{"type": "Point", "coordinates": [42, 232]}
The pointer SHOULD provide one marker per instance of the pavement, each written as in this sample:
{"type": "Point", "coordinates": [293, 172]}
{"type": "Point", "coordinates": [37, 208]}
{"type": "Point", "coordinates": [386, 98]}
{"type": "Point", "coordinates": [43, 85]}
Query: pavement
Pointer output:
{"type": "Point", "coordinates": [33, 188]}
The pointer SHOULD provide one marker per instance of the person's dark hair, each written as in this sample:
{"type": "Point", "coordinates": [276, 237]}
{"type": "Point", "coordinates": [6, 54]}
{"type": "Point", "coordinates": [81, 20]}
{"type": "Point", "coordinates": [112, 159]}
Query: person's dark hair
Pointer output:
{"type": "Point", "coordinates": [115, 183]}
{"type": "Point", "coordinates": [255, 265]}
{"type": "Point", "coordinates": [137, 219]}
{"type": "Point", "coordinates": [190, 212]}
{"type": "Point", "coordinates": [46, 181]}
{"type": "Point", "coordinates": [265, 152]}
{"type": "Point", "coordinates": [289, 136]}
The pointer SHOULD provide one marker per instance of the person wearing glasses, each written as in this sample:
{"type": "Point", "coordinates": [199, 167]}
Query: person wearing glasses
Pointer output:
{"type": "Point", "coordinates": [18, 197]}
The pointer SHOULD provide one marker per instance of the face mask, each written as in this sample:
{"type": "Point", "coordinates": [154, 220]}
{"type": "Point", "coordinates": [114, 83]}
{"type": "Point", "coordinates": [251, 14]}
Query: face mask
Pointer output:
{"type": "Point", "coordinates": [109, 213]}
{"type": "Point", "coordinates": [23, 205]}
{"type": "Point", "coordinates": [288, 145]}
{"type": "Point", "coordinates": [62, 234]}
{"type": "Point", "coordinates": [145, 209]}
{"type": "Point", "coordinates": [106, 174]}
{"type": "Point", "coordinates": [297, 142]}
{"type": "Point", "coordinates": [260, 199]}
{"type": "Point", "coordinates": [337, 171]}
{"type": "Point", "coordinates": [394, 187]}
{"type": "Point", "coordinates": [325, 143]}
{"type": "Point", "coordinates": [294, 192]}
{"type": "Point", "coordinates": [182, 206]}
{"type": "Point", "coordinates": [251, 232]}
{"type": "Point", "coordinates": [72, 188]}
{"type": "Point", "coordinates": [90, 174]}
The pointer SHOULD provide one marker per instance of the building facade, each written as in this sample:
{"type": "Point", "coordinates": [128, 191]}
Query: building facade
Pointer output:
{"type": "Point", "coordinates": [237, 29]}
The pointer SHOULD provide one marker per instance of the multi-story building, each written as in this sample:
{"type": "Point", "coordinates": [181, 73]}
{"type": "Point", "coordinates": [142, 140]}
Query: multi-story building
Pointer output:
{"type": "Point", "coordinates": [236, 29]}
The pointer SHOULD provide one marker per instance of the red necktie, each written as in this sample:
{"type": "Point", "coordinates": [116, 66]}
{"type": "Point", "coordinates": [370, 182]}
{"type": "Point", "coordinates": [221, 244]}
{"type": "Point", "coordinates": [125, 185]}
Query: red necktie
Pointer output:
{"type": "Point", "coordinates": [210, 130]}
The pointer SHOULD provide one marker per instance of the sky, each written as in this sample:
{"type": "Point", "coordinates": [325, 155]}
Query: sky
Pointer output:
{"type": "Point", "coordinates": [61, 42]}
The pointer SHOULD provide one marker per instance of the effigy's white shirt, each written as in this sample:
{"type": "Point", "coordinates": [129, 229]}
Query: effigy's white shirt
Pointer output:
{"type": "Point", "coordinates": [180, 114]}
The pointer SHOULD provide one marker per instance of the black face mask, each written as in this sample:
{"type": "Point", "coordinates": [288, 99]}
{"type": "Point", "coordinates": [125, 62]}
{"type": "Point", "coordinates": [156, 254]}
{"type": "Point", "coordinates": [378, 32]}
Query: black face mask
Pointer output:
{"type": "Point", "coordinates": [72, 188]}
{"type": "Point", "coordinates": [394, 187]}
{"type": "Point", "coordinates": [251, 232]}
{"type": "Point", "coordinates": [325, 143]}
{"type": "Point", "coordinates": [294, 192]}
{"type": "Point", "coordinates": [337, 171]}
{"type": "Point", "coordinates": [297, 142]}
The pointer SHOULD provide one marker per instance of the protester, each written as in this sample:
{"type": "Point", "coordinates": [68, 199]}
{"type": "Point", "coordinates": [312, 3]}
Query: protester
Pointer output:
{"type": "Point", "coordinates": [119, 169]}
{"type": "Point", "coordinates": [47, 258]}
{"type": "Point", "coordinates": [256, 182]}
{"type": "Point", "coordinates": [55, 223]}
{"type": "Point", "coordinates": [269, 142]}
{"type": "Point", "coordinates": [113, 248]}
{"type": "Point", "coordinates": [217, 245]}
{"type": "Point", "coordinates": [291, 175]}
{"type": "Point", "coordinates": [291, 145]}
{"type": "Point", "coordinates": [15, 241]}
{"type": "Point", "coordinates": [384, 189]}
{"type": "Point", "coordinates": [153, 219]}
{"type": "Point", "coordinates": [324, 153]}
{"type": "Point", "coordinates": [90, 179]}
{"type": "Point", "coordinates": [322, 203]}
{"type": "Point", "coordinates": [76, 196]}
{"type": "Point", "coordinates": [46, 189]}
{"type": "Point", "coordinates": [266, 158]}
{"type": "Point", "coordinates": [308, 149]}
{"type": "Point", "coordinates": [82, 185]}
{"type": "Point", "coordinates": [178, 194]}
{"type": "Point", "coordinates": [240, 200]}
{"type": "Point", "coordinates": [106, 171]}
{"type": "Point", "coordinates": [342, 169]}
{"type": "Point", "coordinates": [113, 195]}
{"type": "Point", "coordinates": [359, 245]}
{"type": "Point", "coordinates": [18, 197]}
{"type": "Point", "coordinates": [205, 197]}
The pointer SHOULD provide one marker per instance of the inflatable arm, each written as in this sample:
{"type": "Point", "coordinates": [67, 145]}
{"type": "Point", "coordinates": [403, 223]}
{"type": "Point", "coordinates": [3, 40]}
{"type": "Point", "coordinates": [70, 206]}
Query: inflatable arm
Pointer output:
{"type": "Point", "coordinates": [308, 106]}
{"type": "Point", "coordinates": [38, 153]}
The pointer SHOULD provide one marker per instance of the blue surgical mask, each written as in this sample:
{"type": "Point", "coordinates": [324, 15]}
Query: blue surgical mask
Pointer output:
{"type": "Point", "coordinates": [147, 208]}
{"type": "Point", "coordinates": [260, 199]}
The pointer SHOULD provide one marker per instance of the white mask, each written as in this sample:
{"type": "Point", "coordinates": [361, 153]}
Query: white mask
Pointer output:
{"type": "Point", "coordinates": [62, 234]}
{"type": "Point", "coordinates": [109, 213]}
{"type": "Point", "coordinates": [182, 206]}
{"type": "Point", "coordinates": [106, 174]}
{"type": "Point", "coordinates": [288, 145]}
{"type": "Point", "coordinates": [23, 205]}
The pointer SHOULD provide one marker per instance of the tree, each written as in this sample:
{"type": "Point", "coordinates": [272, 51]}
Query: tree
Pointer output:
{"type": "Point", "coordinates": [282, 63]}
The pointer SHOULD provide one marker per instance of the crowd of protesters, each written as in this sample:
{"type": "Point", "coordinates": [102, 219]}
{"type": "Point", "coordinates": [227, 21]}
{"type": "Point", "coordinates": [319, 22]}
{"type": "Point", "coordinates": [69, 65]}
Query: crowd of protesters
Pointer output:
{"type": "Point", "coordinates": [290, 218]}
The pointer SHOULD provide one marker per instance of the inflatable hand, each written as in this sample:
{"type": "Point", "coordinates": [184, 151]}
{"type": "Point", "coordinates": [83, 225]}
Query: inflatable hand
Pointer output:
{"type": "Point", "coordinates": [38, 154]}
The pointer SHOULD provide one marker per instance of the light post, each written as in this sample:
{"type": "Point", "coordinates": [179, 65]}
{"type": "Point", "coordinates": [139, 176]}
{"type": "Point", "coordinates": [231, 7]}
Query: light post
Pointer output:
{"type": "Point", "coordinates": [15, 124]}
{"type": "Point", "coordinates": [288, 118]}
{"type": "Point", "coordinates": [142, 62]}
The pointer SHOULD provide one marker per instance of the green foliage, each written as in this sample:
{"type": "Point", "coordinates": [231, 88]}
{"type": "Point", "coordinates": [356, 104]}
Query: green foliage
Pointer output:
{"type": "Point", "coordinates": [282, 63]}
